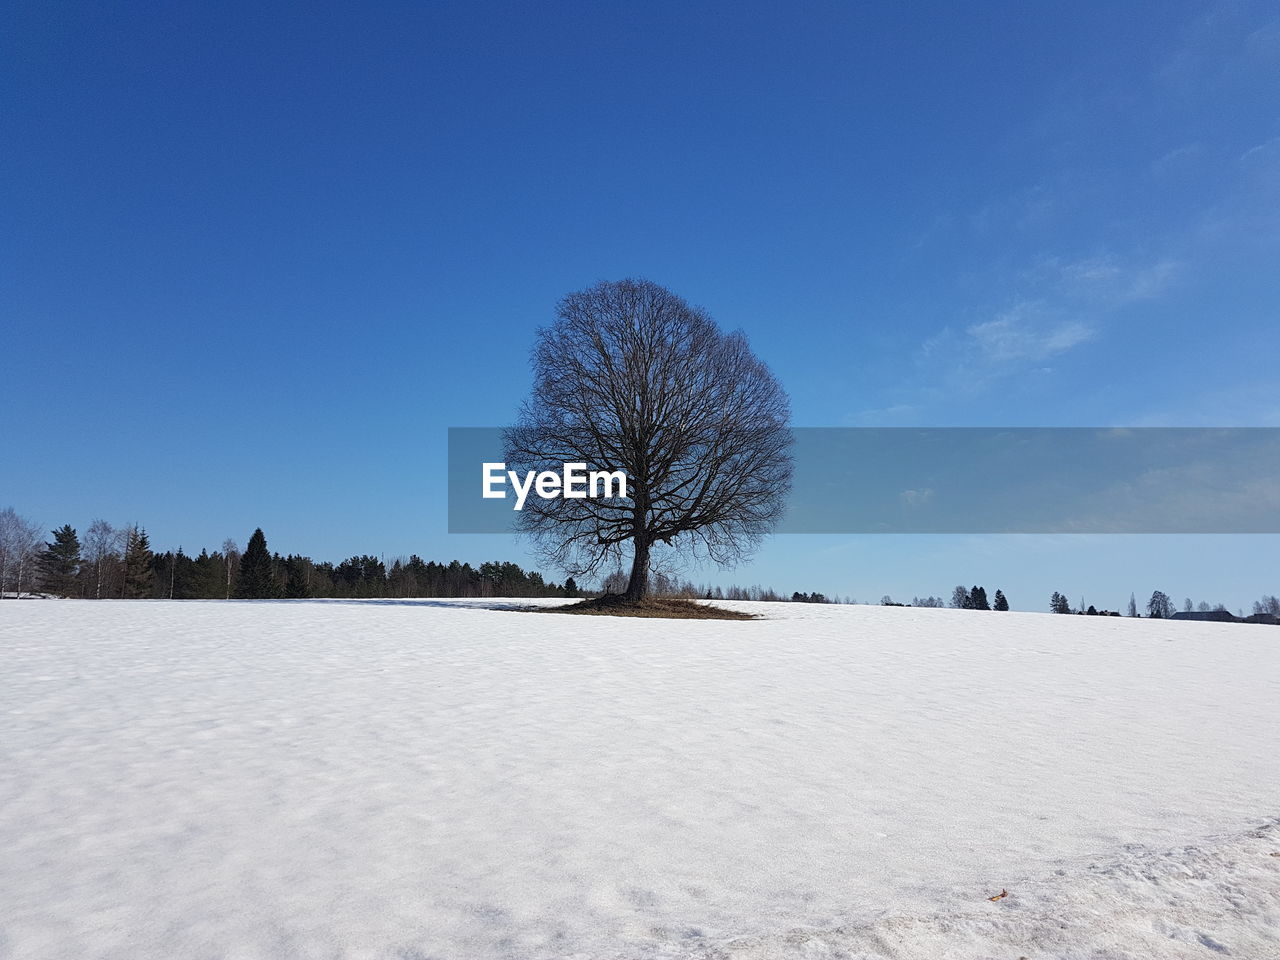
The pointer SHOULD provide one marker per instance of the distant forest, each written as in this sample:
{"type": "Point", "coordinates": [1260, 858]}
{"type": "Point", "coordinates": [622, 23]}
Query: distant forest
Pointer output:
{"type": "Point", "coordinates": [118, 562]}
{"type": "Point", "coordinates": [111, 562]}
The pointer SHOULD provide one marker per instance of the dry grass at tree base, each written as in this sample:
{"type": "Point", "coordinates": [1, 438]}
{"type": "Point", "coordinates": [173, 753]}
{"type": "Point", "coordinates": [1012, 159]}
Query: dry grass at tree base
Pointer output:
{"type": "Point", "coordinates": [613, 605]}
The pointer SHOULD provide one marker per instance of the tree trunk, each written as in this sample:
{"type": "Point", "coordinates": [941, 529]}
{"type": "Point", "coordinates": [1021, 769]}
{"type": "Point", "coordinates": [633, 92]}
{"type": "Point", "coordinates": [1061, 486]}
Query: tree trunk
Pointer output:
{"type": "Point", "coordinates": [638, 585]}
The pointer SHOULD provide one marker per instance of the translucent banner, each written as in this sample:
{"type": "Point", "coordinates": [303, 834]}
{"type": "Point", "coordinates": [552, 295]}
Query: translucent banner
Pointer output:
{"type": "Point", "coordinates": [961, 480]}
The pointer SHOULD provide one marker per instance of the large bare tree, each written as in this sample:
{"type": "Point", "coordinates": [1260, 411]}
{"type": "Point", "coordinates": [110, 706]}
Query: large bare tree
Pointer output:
{"type": "Point", "coordinates": [630, 377]}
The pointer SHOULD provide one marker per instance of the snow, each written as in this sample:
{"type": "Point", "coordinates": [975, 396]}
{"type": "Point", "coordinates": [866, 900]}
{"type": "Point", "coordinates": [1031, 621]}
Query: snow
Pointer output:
{"type": "Point", "coordinates": [412, 780]}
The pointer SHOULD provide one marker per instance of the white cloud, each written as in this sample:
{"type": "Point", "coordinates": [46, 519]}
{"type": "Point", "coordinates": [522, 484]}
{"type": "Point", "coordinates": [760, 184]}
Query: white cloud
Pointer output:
{"type": "Point", "coordinates": [1264, 154]}
{"type": "Point", "coordinates": [1059, 304]}
{"type": "Point", "coordinates": [1177, 160]}
{"type": "Point", "coordinates": [1026, 333]}
{"type": "Point", "coordinates": [1103, 282]}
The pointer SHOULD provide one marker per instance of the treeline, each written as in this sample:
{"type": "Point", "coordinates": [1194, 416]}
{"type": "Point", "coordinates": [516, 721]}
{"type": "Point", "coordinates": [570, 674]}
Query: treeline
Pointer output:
{"type": "Point", "coordinates": [1161, 607]}
{"type": "Point", "coordinates": [962, 598]}
{"type": "Point", "coordinates": [119, 563]}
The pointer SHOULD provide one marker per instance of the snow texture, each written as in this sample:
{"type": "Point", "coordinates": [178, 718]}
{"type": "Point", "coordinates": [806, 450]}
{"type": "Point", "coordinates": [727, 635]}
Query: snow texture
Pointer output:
{"type": "Point", "coordinates": [420, 779]}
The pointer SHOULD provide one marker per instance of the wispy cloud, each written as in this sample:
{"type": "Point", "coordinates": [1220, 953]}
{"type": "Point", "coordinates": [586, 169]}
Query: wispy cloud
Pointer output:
{"type": "Point", "coordinates": [1105, 281]}
{"type": "Point", "coordinates": [1248, 210]}
{"type": "Point", "coordinates": [1221, 46]}
{"type": "Point", "coordinates": [1026, 333]}
{"type": "Point", "coordinates": [1093, 237]}
{"type": "Point", "coordinates": [1020, 211]}
{"type": "Point", "coordinates": [1061, 303]}
{"type": "Point", "coordinates": [1177, 160]}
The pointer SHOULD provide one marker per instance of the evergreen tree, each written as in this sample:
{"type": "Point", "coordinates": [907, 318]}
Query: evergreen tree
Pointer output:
{"type": "Point", "coordinates": [296, 589]}
{"type": "Point", "coordinates": [1001, 602]}
{"type": "Point", "coordinates": [978, 599]}
{"type": "Point", "coordinates": [296, 586]}
{"type": "Point", "coordinates": [256, 581]}
{"type": "Point", "coordinates": [139, 573]}
{"type": "Point", "coordinates": [1058, 603]}
{"type": "Point", "coordinates": [571, 588]}
{"type": "Point", "coordinates": [60, 562]}
{"type": "Point", "coordinates": [207, 576]}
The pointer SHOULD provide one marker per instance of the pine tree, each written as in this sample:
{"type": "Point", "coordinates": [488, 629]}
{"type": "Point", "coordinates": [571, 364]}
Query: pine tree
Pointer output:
{"type": "Point", "coordinates": [1001, 602]}
{"type": "Point", "coordinates": [1058, 603]}
{"type": "Point", "coordinates": [139, 576]}
{"type": "Point", "coordinates": [256, 581]}
{"type": "Point", "coordinates": [206, 576]}
{"type": "Point", "coordinates": [978, 598]}
{"type": "Point", "coordinates": [296, 586]}
{"type": "Point", "coordinates": [60, 562]}
{"type": "Point", "coordinates": [571, 588]}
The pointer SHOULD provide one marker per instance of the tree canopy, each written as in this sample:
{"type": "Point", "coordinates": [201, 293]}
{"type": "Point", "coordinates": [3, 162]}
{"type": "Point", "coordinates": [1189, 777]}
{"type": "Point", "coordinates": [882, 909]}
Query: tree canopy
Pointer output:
{"type": "Point", "coordinates": [630, 377]}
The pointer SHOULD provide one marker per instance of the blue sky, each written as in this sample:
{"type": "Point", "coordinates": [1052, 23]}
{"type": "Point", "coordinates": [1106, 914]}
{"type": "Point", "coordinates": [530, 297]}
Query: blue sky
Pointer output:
{"type": "Point", "coordinates": [255, 263]}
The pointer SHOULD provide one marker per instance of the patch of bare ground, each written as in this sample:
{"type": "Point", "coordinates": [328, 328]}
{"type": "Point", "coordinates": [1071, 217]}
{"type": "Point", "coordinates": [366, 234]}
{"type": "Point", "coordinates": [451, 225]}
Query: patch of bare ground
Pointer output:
{"type": "Point", "coordinates": [613, 605]}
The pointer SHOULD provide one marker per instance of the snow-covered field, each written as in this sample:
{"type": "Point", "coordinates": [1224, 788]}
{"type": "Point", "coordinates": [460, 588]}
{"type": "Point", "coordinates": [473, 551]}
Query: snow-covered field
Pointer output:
{"type": "Point", "coordinates": [437, 780]}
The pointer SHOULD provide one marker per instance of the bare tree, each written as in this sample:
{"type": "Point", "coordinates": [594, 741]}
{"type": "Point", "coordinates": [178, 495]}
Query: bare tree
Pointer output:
{"type": "Point", "coordinates": [1268, 605]}
{"type": "Point", "coordinates": [230, 560]}
{"type": "Point", "coordinates": [9, 522]}
{"type": "Point", "coordinates": [8, 526]}
{"type": "Point", "coordinates": [20, 541]}
{"type": "Point", "coordinates": [615, 582]}
{"type": "Point", "coordinates": [630, 377]}
{"type": "Point", "coordinates": [99, 541]}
